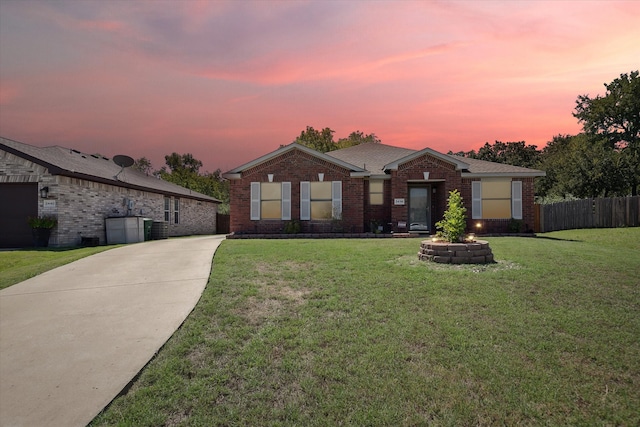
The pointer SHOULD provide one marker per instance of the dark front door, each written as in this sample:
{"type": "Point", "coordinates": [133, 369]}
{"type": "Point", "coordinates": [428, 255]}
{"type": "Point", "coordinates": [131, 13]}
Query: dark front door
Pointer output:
{"type": "Point", "coordinates": [420, 209]}
{"type": "Point", "coordinates": [18, 202]}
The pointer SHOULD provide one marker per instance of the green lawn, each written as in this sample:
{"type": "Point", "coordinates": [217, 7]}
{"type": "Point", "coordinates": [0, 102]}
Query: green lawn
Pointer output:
{"type": "Point", "coordinates": [359, 332]}
{"type": "Point", "coordinates": [19, 265]}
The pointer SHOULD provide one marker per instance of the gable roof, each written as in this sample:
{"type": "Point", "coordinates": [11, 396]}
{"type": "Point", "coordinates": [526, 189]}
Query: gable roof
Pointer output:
{"type": "Point", "coordinates": [459, 164]}
{"type": "Point", "coordinates": [73, 163]}
{"type": "Point", "coordinates": [235, 172]}
{"type": "Point", "coordinates": [380, 158]}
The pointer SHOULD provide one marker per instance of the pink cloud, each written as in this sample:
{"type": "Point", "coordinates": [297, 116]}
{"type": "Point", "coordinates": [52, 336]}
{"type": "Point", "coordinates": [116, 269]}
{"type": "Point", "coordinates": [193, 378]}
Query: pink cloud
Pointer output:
{"type": "Point", "coordinates": [229, 81]}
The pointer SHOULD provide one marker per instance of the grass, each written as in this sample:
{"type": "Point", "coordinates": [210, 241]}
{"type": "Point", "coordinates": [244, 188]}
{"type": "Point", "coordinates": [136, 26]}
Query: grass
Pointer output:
{"type": "Point", "coordinates": [359, 332]}
{"type": "Point", "coordinates": [19, 265]}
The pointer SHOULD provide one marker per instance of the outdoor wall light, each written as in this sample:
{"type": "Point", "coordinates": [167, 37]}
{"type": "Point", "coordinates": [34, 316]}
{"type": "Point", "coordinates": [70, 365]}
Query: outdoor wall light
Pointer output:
{"type": "Point", "coordinates": [478, 225]}
{"type": "Point", "coordinates": [44, 192]}
{"type": "Point", "coordinates": [320, 177]}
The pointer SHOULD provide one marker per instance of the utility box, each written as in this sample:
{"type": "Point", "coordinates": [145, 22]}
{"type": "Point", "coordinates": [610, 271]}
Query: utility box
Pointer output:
{"type": "Point", "coordinates": [128, 229]}
{"type": "Point", "coordinates": [148, 223]}
{"type": "Point", "coordinates": [159, 230]}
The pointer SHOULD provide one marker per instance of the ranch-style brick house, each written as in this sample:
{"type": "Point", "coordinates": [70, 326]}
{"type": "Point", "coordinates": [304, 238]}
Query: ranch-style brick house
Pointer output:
{"type": "Point", "coordinates": [375, 187]}
{"type": "Point", "coordinates": [82, 191]}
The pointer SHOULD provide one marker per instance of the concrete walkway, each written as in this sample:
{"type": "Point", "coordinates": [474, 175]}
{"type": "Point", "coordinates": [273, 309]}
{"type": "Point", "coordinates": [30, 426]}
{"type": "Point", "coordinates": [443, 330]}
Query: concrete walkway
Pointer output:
{"type": "Point", "coordinates": [72, 338]}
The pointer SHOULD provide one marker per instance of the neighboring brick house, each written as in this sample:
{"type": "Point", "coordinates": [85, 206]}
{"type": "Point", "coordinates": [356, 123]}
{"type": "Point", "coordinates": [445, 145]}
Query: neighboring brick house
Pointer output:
{"type": "Point", "coordinates": [82, 190]}
{"type": "Point", "coordinates": [373, 187]}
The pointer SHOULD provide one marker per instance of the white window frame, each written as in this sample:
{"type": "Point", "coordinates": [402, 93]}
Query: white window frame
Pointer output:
{"type": "Point", "coordinates": [305, 200]}
{"type": "Point", "coordinates": [255, 213]}
{"type": "Point", "coordinates": [176, 210]}
{"type": "Point", "coordinates": [381, 192]}
{"type": "Point", "coordinates": [167, 209]}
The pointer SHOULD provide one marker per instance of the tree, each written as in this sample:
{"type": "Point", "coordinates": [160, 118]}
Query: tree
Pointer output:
{"type": "Point", "coordinates": [356, 138]}
{"type": "Point", "coordinates": [453, 221]}
{"type": "Point", "coordinates": [511, 153]}
{"type": "Point", "coordinates": [143, 165]}
{"type": "Point", "coordinates": [184, 170]}
{"type": "Point", "coordinates": [323, 142]}
{"type": "Point", "coordinates": [616, 118]}
{"type": "Point", "coordinates": [183, 162]}
{"type": "Point", "coordinates": [581, 166]}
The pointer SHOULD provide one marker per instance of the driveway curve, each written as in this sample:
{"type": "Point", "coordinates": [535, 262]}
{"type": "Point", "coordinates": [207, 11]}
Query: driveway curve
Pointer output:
{"type": "Point", "coordinates": [72, 338]}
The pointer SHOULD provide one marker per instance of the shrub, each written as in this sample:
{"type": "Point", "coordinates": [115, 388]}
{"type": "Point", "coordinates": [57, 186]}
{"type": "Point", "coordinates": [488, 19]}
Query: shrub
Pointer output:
{"type": "Point", "coordinates": [42, 221]}
{"type": "Point", "coordinates": [454, 220]}
{"type": "Point", "coordinates": [516, 225]}
{"type": "Point", "coordinates": [292, 227]}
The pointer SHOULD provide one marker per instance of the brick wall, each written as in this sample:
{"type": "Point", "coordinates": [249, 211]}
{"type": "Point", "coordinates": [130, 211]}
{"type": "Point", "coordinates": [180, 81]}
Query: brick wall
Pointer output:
{"type": "Point", "coordinates": [491, 226]}
{"type": "Point", "coordinates": [414, 170]}
{"type": "Point", "coordinates": [81, 206]}
{"type": "Point", "coordinates": [295, 166]}
{"type": "Point", "coordinates": [377, 214]}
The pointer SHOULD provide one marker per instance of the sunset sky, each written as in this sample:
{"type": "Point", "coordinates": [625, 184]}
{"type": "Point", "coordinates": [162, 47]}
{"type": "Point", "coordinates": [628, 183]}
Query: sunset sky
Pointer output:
{"type": "Point", "coordinates": [228, 81]}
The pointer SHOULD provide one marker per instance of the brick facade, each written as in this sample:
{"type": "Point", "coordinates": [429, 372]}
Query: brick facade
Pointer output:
{"type": "Point", "coordinates": [443, 178]}
{"type": "Point", "coordinates": [296, 166]}
{"type": "Point", "coordinates": [358, 215]}
{"type": "Point", "coordinates": [81, 205]}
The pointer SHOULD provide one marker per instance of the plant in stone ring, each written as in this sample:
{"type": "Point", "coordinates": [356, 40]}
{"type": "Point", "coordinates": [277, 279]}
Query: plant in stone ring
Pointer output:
{"type": "Point", "coordinates": [454, 221]}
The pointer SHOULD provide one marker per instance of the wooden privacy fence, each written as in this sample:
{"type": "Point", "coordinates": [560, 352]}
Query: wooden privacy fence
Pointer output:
{"type": "Point", "coordinates": [588, 213]}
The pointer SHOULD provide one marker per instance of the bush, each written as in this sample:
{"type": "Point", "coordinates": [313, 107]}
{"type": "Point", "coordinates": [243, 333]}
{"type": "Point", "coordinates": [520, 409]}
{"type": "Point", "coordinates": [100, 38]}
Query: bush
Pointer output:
{"type": "Point", "coordinates": [292, 227]}
{"type": "Point", "coordinates": [454, 220]}
{"type": "Point", "coordinates": [516, 225]}
{"type": "Point", "coordinates": [42, 221]}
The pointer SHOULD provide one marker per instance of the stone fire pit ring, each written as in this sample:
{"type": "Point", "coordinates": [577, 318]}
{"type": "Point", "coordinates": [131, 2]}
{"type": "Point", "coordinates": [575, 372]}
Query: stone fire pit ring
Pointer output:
{"type": "Point", "coordinates": [477, 252]}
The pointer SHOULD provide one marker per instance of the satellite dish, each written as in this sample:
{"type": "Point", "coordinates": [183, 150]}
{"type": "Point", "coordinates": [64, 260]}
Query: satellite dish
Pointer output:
{"type": "Point", "coordinates": [123, 161]}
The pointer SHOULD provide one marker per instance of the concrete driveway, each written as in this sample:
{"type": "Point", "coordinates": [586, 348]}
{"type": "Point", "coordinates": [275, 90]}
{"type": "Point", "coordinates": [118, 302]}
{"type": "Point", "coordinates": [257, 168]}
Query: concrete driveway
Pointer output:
{"type": "Point", "coordinates": [72, 338]}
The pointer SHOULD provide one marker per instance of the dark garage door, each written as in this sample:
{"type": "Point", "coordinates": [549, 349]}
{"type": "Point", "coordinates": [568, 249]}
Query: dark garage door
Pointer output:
{"type": "Point", "coordinates": [17, 202]}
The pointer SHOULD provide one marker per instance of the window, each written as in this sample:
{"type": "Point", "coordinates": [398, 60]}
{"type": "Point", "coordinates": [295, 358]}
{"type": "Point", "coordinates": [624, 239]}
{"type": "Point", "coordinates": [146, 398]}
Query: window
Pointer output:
{"type": "Point", "coordinates": [270, 200]}
{"type": "Point", "coordinates": [167, 209]}
{"type": "Point", "coordinates": [376, 192]}
{"type": "Point", "coordinates": [176, 211]}
{"type": "Point", "coordinates": [320, 200]}
{"type": "Point", "coordinates": [496, 198]}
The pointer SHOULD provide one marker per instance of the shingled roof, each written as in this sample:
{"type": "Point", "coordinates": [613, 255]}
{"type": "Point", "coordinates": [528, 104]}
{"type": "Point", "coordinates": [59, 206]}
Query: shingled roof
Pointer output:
{"type": "Point", "coordinates": [73, 163]}
{"type": "Point", "coordinates": [375, 157]}
{"type": "Point", "coordinates": [371, 156]}
{"type": "Point", "coordinates": [483, 167]}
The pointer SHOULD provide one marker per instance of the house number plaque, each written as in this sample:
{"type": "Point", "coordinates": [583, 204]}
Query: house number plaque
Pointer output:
{"type": "Point", "coordinates": [49, 204]}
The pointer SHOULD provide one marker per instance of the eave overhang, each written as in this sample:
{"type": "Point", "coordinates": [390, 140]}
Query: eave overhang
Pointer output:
{"type": "Point", "coordinates": [503, 174]}
{"type": "Point", "coordinates": [56, 170]}
{"type": "Point", "coordinates": [236, 173]}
